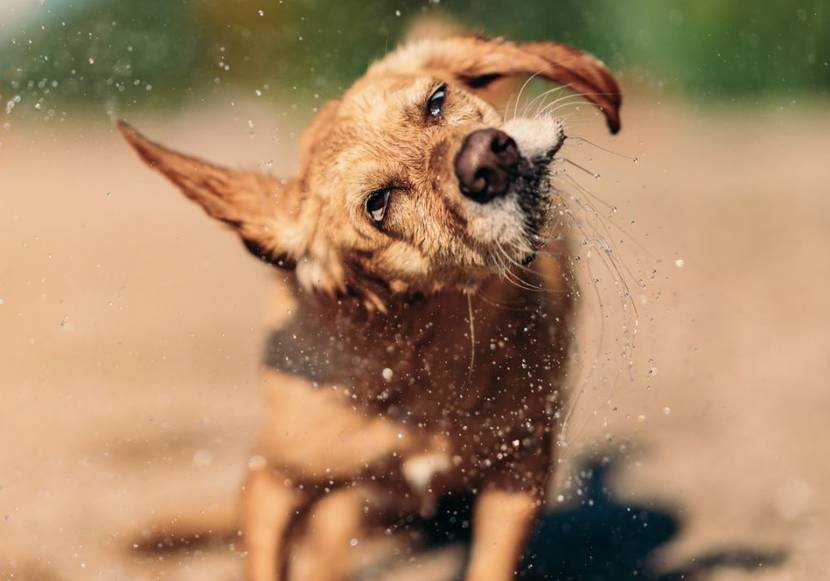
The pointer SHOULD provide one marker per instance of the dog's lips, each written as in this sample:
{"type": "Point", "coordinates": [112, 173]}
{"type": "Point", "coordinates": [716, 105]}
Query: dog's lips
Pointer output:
{"type": "Point", "coordinates": [534, 171]}
{"type": "Point", "coordinates": [542, 165]}
{"type": "Point", "coordinates": [535, 199]}
{"type": "Point", "coordinates": [557, 146]}
{"type": "Point", "coordinates": [531, 256]}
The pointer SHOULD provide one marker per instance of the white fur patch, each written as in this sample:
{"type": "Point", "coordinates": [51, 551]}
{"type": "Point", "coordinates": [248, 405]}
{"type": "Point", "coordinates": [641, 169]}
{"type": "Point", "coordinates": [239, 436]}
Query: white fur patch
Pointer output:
{"type": "Point", "coordinates": [536, 137]}
{"type": "Point", "coordinates": [421, 468]}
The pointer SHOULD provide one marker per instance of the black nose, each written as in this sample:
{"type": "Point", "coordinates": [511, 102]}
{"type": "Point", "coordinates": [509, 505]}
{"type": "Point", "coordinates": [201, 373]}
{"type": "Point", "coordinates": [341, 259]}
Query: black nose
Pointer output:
{"type": "Point", "coordinates": [486, 164]}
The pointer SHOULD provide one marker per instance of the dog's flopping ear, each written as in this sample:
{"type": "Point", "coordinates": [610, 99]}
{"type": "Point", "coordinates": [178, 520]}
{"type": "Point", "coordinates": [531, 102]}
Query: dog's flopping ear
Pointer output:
{"type": "Point", "coordinates": [256, 205]}
{"type": "Point", "coordinates": [478, 61]}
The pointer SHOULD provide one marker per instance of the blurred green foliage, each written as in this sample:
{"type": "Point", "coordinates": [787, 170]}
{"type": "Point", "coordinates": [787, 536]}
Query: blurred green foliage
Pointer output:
{"type": "Point", "coordinates": [158, 52]}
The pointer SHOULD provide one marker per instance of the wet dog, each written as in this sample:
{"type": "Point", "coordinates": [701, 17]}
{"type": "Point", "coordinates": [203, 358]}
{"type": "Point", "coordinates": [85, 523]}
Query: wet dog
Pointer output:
{"type": "Point", "coordinates": [405, 362]}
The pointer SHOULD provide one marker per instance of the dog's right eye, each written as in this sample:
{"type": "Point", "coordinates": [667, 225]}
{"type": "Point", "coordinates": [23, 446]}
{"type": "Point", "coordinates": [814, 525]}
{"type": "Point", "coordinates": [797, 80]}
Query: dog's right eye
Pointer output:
{"type": "Point", "coordinates": [377, 203]}
{"type": "Point", "coordinates": [435, 103]}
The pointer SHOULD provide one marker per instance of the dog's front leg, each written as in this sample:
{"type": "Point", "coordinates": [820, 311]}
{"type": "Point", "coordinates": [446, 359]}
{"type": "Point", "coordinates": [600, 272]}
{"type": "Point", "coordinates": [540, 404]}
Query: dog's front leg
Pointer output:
{"type": "Point", "coordinates": [501, 523]}
{"type": "Point", "coordinates": [268, 506]}
{"type": "Point", "coordinates": [334, 521]}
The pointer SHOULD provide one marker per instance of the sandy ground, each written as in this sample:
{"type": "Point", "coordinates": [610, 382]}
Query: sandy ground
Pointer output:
{"type": "Point", "coordinates": [130, 331]}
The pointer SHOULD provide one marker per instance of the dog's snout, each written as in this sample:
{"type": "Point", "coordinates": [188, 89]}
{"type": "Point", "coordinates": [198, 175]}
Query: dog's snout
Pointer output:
{"type": "Point", "coordinates": [486, 164]}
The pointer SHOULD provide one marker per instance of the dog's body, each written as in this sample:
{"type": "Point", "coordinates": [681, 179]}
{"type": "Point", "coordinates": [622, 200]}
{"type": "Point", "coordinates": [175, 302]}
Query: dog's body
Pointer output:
{"type": "Point", "coordinates": [400, 367]}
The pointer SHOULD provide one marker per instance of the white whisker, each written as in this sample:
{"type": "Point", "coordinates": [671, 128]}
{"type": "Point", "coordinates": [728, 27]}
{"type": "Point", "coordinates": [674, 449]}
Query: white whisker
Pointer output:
{"type": "Point", "coordinates": [519, 96]}
{"type": "Point", "coordinates": [605, 149]}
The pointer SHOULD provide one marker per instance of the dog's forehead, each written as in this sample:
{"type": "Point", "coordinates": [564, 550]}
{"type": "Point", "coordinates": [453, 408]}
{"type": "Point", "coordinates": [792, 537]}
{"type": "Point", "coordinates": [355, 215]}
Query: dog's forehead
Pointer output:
{"type": "Point", "coordinates": [376, 96]}
{"type": "Point", "coordinates": [378, 115]}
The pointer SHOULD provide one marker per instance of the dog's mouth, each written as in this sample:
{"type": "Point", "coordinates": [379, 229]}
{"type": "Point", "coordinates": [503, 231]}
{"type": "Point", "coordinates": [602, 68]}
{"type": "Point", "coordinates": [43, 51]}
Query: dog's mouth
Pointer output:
{"type": "Point", "coordinates": [533, 188]}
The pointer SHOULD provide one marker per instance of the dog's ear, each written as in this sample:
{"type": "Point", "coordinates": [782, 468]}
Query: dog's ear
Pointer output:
{"type": "Point", "coordinates": [256, 205]}
{"type": "Point", "coordinates": [478, 62]}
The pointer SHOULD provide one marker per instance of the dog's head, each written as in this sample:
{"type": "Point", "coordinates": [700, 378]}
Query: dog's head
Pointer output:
{"type": "Point", "coordinates": [412, 181]}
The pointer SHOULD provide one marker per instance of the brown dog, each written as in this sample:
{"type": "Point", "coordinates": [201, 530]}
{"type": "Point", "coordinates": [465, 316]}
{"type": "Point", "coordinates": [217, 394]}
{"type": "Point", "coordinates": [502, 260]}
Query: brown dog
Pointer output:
{"type": "Point", "coordinates": [405, 362]}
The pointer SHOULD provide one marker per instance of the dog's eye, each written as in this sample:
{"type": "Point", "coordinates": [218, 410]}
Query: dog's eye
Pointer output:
{"type": "Point", "coordinates": [435, 103]}
{"type": "Point", "coordinates": [377, 203]}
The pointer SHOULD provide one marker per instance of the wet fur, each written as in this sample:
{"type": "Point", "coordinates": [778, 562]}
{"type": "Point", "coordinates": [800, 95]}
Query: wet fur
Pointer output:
{"type": "Point", "coordinates": [403, 361]}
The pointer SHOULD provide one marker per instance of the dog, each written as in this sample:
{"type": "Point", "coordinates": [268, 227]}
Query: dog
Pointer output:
{"type": "Point", "coordinates": [405, 363]}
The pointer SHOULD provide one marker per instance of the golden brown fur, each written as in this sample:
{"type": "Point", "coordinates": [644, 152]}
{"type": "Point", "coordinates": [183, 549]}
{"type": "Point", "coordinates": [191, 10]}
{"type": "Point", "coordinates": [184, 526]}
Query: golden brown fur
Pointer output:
{"type": "Point", "coordinates": [403, 363]}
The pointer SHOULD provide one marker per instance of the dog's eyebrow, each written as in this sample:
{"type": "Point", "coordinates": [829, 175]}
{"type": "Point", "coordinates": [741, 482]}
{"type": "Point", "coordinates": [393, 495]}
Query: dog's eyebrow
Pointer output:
{"type": "Point", "coordinates": [414, 109]}
{"type": "Point", "coordinates": [370, 168]}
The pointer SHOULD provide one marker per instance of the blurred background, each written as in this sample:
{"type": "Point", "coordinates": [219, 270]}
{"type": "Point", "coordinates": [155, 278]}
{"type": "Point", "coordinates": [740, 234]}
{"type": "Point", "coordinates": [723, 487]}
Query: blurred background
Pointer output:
{"type": "Point", "coordinates": [158, 53]}
{"type": "Point", "coordinates": [131, 326]}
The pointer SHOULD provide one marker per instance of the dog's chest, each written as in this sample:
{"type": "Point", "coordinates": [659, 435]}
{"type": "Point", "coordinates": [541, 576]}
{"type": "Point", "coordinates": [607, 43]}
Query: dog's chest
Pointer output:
{"type": "Point", "coordinates": [425, 394]}
{"type": "Point", "coordinates": [423, 366]}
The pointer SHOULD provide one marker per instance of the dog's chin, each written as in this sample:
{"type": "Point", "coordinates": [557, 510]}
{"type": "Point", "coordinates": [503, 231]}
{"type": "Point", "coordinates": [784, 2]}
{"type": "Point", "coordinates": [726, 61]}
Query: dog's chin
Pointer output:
{"type": "Point", "coordinates": [513, 229]}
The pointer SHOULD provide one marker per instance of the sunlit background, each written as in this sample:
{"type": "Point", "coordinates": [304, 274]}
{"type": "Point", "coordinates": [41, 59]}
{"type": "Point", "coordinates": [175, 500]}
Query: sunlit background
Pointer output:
{"type": "Point", "coordinates": [131, 326]}
{"type": "Point", "coordinates": [121, 53]}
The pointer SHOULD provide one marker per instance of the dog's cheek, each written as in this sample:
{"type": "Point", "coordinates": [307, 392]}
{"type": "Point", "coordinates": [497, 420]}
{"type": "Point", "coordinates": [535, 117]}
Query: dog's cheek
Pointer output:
{"type": "Point", "coordinates": [404, 261]}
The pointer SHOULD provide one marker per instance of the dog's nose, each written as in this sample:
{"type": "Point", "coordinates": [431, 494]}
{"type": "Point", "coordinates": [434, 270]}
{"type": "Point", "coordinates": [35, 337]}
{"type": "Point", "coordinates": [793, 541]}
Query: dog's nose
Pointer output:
{"type": "Point", "coordinates": [486, 164]}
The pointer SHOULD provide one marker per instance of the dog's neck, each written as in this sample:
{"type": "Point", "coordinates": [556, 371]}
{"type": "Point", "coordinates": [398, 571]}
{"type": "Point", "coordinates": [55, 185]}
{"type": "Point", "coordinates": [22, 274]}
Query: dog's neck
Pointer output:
{"type": "Point", "coordinates": [334, 339]}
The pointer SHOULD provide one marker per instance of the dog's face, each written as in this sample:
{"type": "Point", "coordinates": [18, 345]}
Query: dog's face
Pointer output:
{"type": "Point", "coordinates": [412, 181]}
{"type": "Point", "coordinates": [420, 180]}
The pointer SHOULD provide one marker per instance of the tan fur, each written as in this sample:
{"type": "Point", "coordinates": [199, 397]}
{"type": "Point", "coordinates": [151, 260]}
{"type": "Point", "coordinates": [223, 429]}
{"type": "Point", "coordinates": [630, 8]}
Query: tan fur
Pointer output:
{"type": "Point", "coordinates": [403, 364]}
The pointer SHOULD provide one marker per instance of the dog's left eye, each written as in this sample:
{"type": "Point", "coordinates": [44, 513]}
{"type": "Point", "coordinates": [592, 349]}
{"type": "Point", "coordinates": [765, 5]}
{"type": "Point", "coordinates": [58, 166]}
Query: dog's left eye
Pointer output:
{"type": "Point", "coordinates": [435, 103]}
{"type": "Point", "coordinates": [377, 203]}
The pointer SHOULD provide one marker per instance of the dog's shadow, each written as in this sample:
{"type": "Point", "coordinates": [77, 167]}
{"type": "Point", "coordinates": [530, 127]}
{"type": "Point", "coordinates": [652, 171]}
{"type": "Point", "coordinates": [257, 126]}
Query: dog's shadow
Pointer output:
{"type": "Point", "coordinates": [605, 539]}
{"type": "Point", "coordinates": [598, 538]}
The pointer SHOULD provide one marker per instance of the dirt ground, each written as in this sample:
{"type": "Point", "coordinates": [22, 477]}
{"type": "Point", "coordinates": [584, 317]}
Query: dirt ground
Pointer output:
{"type": "Point", "coordinates": [130, 334]}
